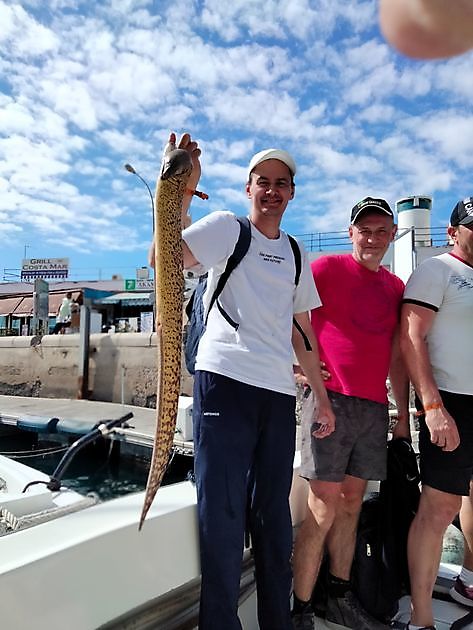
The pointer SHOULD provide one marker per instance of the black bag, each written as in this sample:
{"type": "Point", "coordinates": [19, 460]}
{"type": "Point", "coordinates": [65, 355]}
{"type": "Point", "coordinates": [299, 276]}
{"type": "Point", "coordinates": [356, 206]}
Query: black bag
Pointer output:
{"type": "Point", "coordinates": [197, 319]}
{"type": "Point", "coordinates": [379, 572]}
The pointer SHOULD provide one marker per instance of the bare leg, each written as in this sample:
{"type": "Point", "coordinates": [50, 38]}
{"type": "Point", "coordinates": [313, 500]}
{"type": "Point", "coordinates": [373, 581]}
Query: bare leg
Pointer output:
{"type": "Point", "coordinates": [341, 538]}
{"type": "Point", "coordinates": [436, 511]}
{"type": "Point", "coordinates": [466, 520]}
{"type": "Point", "coordinates": [308, 549]}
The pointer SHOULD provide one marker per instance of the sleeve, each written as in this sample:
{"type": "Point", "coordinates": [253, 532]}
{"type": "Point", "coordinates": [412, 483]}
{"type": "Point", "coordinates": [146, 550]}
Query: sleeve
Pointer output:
{"type": "Point", "coordinates": [212, 239]}
{"type": "Point", "coordinates": [426, 286]}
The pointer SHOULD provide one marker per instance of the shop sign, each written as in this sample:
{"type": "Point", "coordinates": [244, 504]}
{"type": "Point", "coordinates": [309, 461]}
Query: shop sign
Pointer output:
{"type": "Point", "coordinates": [32, 268]}
{"type": "Point", "coordinates": [139, 285]}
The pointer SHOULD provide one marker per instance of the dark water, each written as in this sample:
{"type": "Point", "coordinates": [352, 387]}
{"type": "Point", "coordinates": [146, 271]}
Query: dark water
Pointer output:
{"type": "Point", "coordinates": [99, 468]}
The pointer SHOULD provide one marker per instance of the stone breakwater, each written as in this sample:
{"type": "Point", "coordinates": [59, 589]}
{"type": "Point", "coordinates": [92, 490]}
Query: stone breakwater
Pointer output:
{"type": "Point", "coordinates": [122, 368]}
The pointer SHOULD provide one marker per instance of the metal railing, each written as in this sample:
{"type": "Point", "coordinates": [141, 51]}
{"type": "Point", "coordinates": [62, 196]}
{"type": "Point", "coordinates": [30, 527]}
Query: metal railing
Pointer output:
{"type": "Point", "coordinates": [313, 242]}
{"type": "Point", "coordinates": [327, 241]}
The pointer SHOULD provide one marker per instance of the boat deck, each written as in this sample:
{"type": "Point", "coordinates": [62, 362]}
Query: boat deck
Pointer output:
{"type": "Point", "coordinates": [77, 415]}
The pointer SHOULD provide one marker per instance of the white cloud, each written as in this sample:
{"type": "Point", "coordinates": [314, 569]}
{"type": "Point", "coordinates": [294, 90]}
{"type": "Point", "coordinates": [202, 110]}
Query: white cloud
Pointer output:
{"type": "Point", "coordinates": [451, 134]}
{"type": "Point", "coordinates": [23, 35]}
{"type": "Point", "coordinates": [377, 114]}
{"type": "Point", "coordinates": [87, 87]}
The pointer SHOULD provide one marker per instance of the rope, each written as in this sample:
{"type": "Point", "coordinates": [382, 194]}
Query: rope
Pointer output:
{"type": "Point", "coordinates": [34, 453]}
{"type": "Point", "coordinates": [10, 523]}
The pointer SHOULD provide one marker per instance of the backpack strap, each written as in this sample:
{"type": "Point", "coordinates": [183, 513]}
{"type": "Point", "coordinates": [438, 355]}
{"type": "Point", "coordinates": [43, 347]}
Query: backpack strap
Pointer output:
{"type": "Point", "coordinates": [298, 327]}
{"type": "Point", "coordinates": [297, 258]}
{"type": "Point", "coordinates": [239, 252]}
{"type": "Point", "coordinates": [241, 247]}
{"type": "Point", "coordinates": [298, 262]}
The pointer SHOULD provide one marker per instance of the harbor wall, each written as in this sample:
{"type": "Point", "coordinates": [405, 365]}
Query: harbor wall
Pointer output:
{"type": "Point", "coordinates": [122, 367]}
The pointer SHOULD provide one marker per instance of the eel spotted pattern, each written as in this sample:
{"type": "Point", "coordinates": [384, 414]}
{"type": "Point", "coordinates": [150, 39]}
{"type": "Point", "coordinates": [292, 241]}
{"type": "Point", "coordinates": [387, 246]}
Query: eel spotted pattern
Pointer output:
{"type": "Point", "coordinates": [169, 295]}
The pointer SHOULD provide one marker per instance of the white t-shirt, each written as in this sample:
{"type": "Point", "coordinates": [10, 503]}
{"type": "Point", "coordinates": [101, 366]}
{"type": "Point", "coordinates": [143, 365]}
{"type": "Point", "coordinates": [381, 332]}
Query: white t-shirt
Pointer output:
{"type": "Point", "coordinates": [445, 284]}
{"type": "Point", "coordinates": [260, 295]}
{"type": "Point", "coordinates": [64, 314]}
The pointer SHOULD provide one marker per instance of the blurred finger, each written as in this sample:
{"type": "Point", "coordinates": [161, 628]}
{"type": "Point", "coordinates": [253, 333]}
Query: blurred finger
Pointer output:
{"type": "Point", "coordinates": [184, 141]}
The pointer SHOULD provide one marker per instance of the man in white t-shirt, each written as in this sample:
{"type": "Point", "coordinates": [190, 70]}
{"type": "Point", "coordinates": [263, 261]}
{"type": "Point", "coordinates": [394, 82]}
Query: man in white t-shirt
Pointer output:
{"type": "Point", "coordinates": [63, 319]}
{"type": "Point", "coordinates": [244, 394]}
{"type": "Point", "coordinates": [437, 343]}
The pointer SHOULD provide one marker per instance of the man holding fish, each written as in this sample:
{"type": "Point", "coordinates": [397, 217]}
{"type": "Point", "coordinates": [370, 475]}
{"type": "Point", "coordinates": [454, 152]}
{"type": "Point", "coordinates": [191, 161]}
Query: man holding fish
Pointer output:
{"type": "Point", "coordinates": [244, 393]}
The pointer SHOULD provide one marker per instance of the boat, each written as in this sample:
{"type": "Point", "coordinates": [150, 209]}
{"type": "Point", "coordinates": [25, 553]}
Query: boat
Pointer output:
{"type": "Point", "coordinates": [72, 560]}
{"type": "Point", "coordinates": [69, 560]}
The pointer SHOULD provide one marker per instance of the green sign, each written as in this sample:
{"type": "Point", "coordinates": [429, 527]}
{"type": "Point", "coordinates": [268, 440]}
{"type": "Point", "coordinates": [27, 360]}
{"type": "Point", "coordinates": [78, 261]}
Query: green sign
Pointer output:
{"type": "Point", "coordinates": [130, 285]}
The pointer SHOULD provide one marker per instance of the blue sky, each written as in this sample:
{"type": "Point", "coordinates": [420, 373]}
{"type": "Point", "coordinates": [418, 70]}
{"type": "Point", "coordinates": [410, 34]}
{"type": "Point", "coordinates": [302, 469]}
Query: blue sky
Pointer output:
{"type": "Point", "coordinates": [86, 87]}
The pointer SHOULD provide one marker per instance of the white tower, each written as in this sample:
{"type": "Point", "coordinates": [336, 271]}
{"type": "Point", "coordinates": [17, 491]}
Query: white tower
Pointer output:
{"type": "Point", "coordinates": [414, 212]}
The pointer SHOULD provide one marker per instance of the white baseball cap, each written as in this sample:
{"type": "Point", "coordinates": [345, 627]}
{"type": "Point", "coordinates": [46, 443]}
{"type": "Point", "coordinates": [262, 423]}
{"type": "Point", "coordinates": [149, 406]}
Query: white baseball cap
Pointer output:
{"type": "Point", "coordinates": [272, 154]}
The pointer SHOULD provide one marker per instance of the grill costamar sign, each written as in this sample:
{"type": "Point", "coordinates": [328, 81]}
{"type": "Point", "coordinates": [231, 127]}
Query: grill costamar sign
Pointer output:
{"type": "Point", "coordinates": [44, 268]}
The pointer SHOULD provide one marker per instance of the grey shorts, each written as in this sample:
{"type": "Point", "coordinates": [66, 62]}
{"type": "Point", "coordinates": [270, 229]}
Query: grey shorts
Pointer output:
{"type": "Point", "coordinates": [357, 447]}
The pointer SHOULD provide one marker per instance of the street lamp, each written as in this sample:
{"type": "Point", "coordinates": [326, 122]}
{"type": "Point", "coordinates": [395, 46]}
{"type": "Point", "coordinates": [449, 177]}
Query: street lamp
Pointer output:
{"type": "Point", "coordinates": [130, 169]}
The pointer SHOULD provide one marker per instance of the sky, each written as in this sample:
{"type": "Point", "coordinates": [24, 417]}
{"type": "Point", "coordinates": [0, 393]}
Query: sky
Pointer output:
{"type": "Point", "coordinates": [86, 87]}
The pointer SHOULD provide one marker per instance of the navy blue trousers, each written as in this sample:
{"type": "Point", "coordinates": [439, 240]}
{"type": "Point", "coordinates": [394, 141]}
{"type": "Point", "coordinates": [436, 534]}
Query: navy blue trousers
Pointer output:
{"type": "Point", "coordinates": [244, 440]}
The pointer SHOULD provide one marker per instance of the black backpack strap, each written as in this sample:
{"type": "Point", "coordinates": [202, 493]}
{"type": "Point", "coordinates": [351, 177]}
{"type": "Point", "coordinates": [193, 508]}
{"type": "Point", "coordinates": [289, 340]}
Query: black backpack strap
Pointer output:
{"type": "Point", "coordinates": [241, 247]}
{"type": "Point", "coordinates": [307, 345]}
{"type": "Point", "coordinates": [298, 262]}
{"type": "Point", "coordinates": [297, 258]}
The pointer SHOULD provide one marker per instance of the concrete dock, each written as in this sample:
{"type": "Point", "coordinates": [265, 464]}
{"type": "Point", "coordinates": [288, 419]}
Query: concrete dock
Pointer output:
{"type": "Point", "coordinates": [83, 414]}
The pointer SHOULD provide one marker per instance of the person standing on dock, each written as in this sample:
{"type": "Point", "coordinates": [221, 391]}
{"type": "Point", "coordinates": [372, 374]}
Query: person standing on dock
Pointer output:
{"type": "Point", "coordinates": [357, 331]}
{"type": "Point", "coordinates": [437, 342]}
{"type": "Point", "coordinates": [63, 320]}
{"type": "Point", "coordinates": [244, 394]}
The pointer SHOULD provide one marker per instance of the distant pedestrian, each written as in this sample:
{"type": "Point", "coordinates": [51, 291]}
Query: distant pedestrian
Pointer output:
{"type": "Point", "coordinates": [63, 319]}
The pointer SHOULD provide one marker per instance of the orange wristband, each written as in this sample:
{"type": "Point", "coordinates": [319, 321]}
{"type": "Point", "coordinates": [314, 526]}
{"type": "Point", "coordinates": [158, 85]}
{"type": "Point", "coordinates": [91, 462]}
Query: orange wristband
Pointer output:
{"type": "Point", "coordinates": [197, 193]}
{"type": "Point", "coordinates": [431, 407]}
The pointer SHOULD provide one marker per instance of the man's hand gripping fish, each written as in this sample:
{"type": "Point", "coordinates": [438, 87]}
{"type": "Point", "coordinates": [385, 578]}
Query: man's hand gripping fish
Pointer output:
{"type": "Point", "coordinates": [169, 293]}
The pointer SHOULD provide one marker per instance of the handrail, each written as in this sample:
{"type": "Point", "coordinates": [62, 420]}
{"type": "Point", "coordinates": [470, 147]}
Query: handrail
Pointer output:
{"type": "Point", "coordinates": [326, 241]}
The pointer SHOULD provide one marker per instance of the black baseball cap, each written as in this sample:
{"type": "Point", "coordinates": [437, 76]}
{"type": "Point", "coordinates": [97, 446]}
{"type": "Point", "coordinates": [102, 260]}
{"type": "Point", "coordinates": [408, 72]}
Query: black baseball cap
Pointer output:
{"type": "Point", "coordinates": [462, 213]}
{"type": "Point", "coordinates": [370, 204]}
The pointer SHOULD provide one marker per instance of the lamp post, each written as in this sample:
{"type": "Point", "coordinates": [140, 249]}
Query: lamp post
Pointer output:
{"type": "Point", "coordinates": [130, 169]}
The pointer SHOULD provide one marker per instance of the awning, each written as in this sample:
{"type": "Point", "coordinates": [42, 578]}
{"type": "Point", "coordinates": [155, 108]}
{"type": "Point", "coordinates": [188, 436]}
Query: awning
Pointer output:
{"type": "Point", "coordinates": [24, 305]}
{"type": "Point", "coordinates": [8, 305]}
{"type": "Point", "coordinates": [127, 299]}
{"type": "Point", "coordinates": [24, 308]}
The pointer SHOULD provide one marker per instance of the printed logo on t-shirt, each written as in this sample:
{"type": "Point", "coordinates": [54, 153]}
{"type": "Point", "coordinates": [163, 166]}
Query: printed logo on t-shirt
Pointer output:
{"type": "Point", "coordinates": [272, 258]}
{"type": "Point", "coordinates": [462, 282]}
